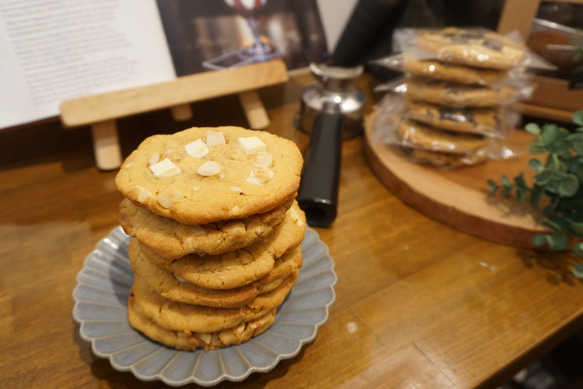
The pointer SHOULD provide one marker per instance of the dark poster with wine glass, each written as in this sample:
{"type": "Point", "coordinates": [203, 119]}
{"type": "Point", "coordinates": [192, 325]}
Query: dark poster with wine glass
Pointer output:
{"type": "Point", "coordinates": [208, 35]}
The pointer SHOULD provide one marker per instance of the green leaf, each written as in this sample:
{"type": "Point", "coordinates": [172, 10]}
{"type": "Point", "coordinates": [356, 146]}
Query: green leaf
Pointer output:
{"type": "Point", "coordinates": [505, 181]}
{"type": "Point", "coordinates": [535, 164]}
{"type": "Point", "coordinates": [558, 240]}
{"type": "Point", "coordinates": [543, 176]}
{"type": "Point", "coordinates": [519, 180]}
{"type": "Point", "coordinates": [576, 227]}
{"type": "Point", "coordinates": [521, 194]}
{"type": "Point", "coordinates": [578, 270]}
{"type": "Point", "coordinates": [539, 240]}
{"type": "Point", "coordinates": [578, 117]}
{"type": "Point", "coordinates": [533, 128]}
{"type": "Point", "coordinates": [535, 195]}
{"type": "Point", "coordinates": [569, 185]}
{"type": "Point", "coordinates": [493, 187]}
{"type": "Point", "coordinates": [537, 148]}
{"type": "Point", "coordinates": [578, 249]}
{"type": "Point", "coordinates": [554, 226]}
{"type": "Point", "coordinates": [549, 133]}
{"type": "Point", "coordinates": [551, 207]}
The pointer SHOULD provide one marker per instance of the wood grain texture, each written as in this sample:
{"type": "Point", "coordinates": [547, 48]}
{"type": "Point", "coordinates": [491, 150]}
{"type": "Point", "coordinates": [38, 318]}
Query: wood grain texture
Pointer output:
{"type": "Point", "coordinates": [182, 90]}
{"type": "Point", "coordinates": [459, 197]}
{"type": "Point", "coordinates": [418, 304]}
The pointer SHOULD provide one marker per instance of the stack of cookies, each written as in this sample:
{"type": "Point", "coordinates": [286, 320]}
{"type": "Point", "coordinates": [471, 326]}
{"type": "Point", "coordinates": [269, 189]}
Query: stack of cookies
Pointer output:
{"type": "Point", "coordinates": [215, 234]}
{"type": "Point", "coordinates": [453, 102]}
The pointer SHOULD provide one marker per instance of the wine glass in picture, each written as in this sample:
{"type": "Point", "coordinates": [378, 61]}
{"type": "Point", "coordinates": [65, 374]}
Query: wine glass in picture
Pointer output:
{"type": "Point", "coordinates": [259, 50]}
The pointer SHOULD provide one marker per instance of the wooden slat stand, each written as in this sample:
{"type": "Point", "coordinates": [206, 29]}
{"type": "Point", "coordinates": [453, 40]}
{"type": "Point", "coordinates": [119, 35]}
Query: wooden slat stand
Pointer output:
{"type": "Point", "coordinates": [101, 111]}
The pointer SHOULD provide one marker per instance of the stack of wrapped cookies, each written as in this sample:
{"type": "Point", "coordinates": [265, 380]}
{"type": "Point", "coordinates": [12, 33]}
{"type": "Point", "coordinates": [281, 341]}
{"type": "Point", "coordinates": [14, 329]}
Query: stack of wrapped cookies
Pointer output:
{"type": "Point", "coordinates": [215, 232]}
{"type": "Point", "coordinates": [452, 107]}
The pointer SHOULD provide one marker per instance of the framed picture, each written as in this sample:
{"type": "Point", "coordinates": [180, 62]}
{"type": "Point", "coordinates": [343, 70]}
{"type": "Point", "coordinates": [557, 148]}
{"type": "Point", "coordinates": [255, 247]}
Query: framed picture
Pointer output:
{"type": "Point", "coordinates": [207, 35]}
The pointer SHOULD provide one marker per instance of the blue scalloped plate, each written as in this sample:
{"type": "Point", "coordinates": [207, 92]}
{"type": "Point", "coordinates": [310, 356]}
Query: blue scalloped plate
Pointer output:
{"type": "Point", "coordinates": [101, 296]}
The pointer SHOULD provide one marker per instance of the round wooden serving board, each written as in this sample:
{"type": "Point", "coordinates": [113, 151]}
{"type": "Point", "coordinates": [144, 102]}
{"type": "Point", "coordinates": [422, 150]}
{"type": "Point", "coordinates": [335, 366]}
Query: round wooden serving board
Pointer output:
{"type": "Point", "coordinates": [459, 197]}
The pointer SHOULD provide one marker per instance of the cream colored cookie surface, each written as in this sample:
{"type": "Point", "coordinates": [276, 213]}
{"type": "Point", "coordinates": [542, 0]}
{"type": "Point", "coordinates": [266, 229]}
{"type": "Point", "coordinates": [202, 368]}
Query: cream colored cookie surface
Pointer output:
{"type": "Point", "coordinates": [203, 175]}
{"type": "Point", "coordinates": [177, 289]}
{"type": "Point", "coordinates": [237, 268]}
{"type": "Point", "coordinates": [474, 47]}
{"type": "Point", "coordinates": [173, 240]}
{"type": "Point", "coordinates": [472, 120]}
{"type": "Point", "coordinates": [452, 72]}
{"type": "Point", "coordinates": [430, 138]}
{"type": "Point", "coordinates": [189, 341]}
{"type": "Point", "coordinates": [188, 318]}
{"type": "Point", "coordinates": [457, 95]}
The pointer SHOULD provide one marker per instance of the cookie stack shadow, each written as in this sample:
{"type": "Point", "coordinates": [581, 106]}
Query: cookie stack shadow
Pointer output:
{"type": "Point", "coordinates": [216, 284]}
{"type": "Point", "coordinates": [455, 106]}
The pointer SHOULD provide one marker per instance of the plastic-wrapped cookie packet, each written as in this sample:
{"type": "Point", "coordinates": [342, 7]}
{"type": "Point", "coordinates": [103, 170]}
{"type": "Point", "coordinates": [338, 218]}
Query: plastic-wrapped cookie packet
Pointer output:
{"type": "Point", "coordinates": [458, 95]}
{"type": "Point", "coordinates": [462, 74]}
{"type": "Point", "coordinates": [476, 47]}
{"type": "Point", "coordinates": [436, 146]}
{"type": "Point", "coordinates": [496, 122]}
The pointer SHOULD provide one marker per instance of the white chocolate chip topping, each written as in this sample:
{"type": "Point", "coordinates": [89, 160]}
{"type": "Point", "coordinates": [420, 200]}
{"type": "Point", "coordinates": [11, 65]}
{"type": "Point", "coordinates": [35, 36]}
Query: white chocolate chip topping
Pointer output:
{"type": "Point", "coordinates": [165, 168]}
{"type": "Point", "coordinates": [197, 149]}
{"type": "Point", "coordinates": [260, 176]}
{"type": "Point", "coordinates": [209, 168]}
{"type": "Point", "coordinates": [263, 160]}
{"type": "Point", "coordinates": [251, 145]}
{"type": "Point", "coordinates": [169, 196]}
{"type": "Point", "coordinates": [215, 138]}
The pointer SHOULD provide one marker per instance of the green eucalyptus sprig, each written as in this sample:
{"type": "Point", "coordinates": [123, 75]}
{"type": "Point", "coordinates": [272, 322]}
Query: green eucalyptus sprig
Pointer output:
{"type": "Point", "coordinates": [560, 179]}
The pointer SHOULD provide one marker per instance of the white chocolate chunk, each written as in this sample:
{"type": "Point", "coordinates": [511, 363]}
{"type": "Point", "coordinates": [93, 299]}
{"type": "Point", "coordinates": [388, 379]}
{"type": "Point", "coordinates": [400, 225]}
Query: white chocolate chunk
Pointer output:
{"type": "Point", "coordinates": [215, 138]}
{"type": "Point", "coordinates": [209, 168]}
{"type": "Point", "coordinates": [197, 149]}
{"type": "Point", "coordinates": [260, 176]}
{"type": "Point", "coordinates": [196, 188]}
{"type": "Point", "coordinates": [165, 168]}
{"type": "Point", "coordinates": [154, 158]}
{"type": "Point", "coordinates": [236, 189]}
{"type": "Point", "coordinates": [169, 196]}
{"type": "Point", "coordinates": [206, 338]}
{"type": "Point", "coordinates": [295, 217]}
{"type": "Point", "coordinates": [251, 145]}
{"type": "Point", "coordinates": [128, 164]}
{"type": "Point", "coordinates": [143, 194]}
{"type": "Point", "coordinates": [263, 160]}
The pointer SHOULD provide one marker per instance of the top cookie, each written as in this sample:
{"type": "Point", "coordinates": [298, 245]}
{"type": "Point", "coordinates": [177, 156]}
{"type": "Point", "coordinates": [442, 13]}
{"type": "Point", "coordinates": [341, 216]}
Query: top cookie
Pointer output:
{"type": "Point", "coordinates": [203, 175]}
{"type": "Point", "coordinates": [474, 47]}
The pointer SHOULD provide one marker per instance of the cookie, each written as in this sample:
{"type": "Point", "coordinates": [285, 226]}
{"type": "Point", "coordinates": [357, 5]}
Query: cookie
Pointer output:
{"type": "Point", "coordinates": [459, 95]}
{"type": "Point", "coordinates": [189, 341]}
{"type": "Point", "coordinates": [203, 175]}
{"type": "Point", "coordinates": [188, 318]}
{"type": "Point", "coordinates": [287, 264]}
{"type": "Point", "coordinates": [446, 160]}
{"type": "Point", "coordinates": [173, 240]}
{"type": "Point", "coordinates": [237, 268]}
{"type": "Point", "coordinates": [473, 47]}
{"type": "Point", "coordinates": [173, 288]}
{"type": "Point", "coordinates": [425, 137]}
{"type": "Point", "coordinates": [452, 72]}
{"type": "Point", "coordinates": [472, 120]}
{"type": "Point", "coordinates": [176, 289]}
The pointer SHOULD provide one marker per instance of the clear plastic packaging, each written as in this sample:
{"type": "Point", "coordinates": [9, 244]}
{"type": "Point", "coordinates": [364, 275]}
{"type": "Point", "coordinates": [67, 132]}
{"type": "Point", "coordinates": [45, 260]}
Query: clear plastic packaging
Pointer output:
{"type": "Point", "coordinates": [476, 47]}
{"type": "Point", "coordinates": [436, 146]}
{"type": "Point", "coordinates": [497, 122]}
{"type": "Point", "coordinates": [457, 95]}
{"type": "Point", "coordinates": [435, 69]}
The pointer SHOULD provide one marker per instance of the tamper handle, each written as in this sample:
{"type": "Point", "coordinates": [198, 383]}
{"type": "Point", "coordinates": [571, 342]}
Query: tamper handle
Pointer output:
{"type": "Point", "coordinates": [318, 193]}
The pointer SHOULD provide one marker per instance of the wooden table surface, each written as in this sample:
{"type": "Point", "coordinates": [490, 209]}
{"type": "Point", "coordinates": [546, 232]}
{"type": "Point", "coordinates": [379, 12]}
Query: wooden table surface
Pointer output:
{"type": "Point", "coordinates": [418, 304]}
